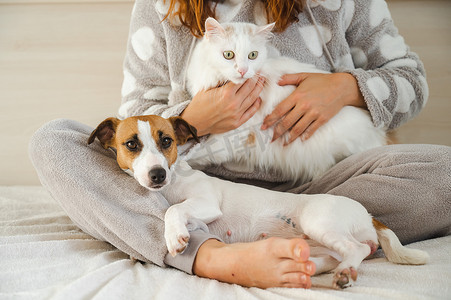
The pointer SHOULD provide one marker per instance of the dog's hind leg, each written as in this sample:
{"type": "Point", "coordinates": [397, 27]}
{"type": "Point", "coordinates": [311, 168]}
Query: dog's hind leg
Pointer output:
{"type": "Point", "coordinates": [335, 222]}
{"type": "Point", "coordinates": [352, 252]}
{"type": "Point", "coordinates": [324, 263]}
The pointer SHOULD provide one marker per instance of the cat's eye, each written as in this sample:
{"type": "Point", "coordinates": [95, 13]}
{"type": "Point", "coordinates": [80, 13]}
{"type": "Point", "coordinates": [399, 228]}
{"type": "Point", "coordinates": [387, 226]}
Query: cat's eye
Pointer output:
{"type": "Point", "coordinates": [253, 55]}
{"type": "Point", "coordinates": [229, 54]}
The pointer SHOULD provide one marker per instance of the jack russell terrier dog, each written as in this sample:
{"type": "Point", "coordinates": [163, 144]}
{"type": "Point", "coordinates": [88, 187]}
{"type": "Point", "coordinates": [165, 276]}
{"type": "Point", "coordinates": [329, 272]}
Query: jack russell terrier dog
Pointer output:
{"type": "Point", "coordinates": [340, 231]}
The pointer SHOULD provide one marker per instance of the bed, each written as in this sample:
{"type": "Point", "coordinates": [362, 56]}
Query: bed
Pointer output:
{"type": "Point", "coordinates": [45, 256]}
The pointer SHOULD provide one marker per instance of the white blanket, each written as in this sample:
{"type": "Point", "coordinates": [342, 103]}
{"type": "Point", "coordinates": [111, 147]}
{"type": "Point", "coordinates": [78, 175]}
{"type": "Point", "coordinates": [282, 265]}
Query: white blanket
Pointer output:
{"type": "Point", "coordinates": [44, 255]}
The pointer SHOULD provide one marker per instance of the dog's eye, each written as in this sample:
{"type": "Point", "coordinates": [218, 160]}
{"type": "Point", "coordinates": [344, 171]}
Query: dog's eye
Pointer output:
{"type": "Point", "coordinates": [131, 145]}
{"type": "Point", "coordinates": [166, 142]}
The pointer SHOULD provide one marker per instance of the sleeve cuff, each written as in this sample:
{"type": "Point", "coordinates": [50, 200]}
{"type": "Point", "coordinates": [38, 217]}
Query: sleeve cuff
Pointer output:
{"type": "Point", "coordinates": [373, 106]}
{"type": "Point", "coordinates": [175, 110]}
{"type": "Point", "coordinates": [185, 261]}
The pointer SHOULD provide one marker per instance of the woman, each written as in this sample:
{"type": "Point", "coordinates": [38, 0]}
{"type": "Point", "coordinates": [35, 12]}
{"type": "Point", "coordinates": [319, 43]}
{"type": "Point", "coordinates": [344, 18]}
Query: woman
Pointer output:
{"type": "Point", "coordinates": [405, 186]}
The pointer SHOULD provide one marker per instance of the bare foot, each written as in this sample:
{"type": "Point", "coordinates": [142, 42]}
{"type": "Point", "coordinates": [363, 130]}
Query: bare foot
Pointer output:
{"type": "Point", "coordinates": [273, 262]}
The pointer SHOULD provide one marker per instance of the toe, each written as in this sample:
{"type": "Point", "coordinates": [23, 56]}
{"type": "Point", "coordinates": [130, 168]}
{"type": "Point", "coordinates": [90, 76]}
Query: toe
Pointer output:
{"type": "Point", "coordinates": [296, 249]}
{"type": "Point", "coordinates": [296, 280]}
{"type": "Point", "coordinates": [301, 249]}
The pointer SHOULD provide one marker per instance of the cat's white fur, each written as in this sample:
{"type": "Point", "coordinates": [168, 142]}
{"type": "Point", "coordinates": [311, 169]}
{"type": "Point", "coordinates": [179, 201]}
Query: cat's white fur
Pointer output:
{"type": "Point", "coordinates": [350, 131]}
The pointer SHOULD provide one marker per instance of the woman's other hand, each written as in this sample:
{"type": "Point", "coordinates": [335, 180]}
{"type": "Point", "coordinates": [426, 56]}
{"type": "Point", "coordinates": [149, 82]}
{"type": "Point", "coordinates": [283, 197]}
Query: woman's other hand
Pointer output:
{"type": "Point", "coordinates": [317, 98]}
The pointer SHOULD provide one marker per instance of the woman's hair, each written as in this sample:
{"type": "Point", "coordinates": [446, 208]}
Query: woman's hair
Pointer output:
{"type": "Point", "coordinates": [193, 13]}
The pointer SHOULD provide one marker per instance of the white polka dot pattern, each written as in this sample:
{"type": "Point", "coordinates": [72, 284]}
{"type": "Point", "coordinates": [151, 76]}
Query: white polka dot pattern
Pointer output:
{"type": "Point", "coordinates": [359, 58]}
{"type": "Point", "coordinates": [142, 42]}
{"type": "Point", "coordinates": [378, 12]}
{"type": "Point", "coordinates": [162, 7]}
{"type": "Point", "coordinates": [425, 89]}
{"type": "Point", "coordinates": [129, 84]}
{"type": "Point", "coordinates": [378, 88]}
{"type": "Point", "coordinates": [349, 9]}
{"type": "Point", "coordinates": [123, 109]}
{"type": "Point", "coordinates": [312, 40]}
{"type": "Point", "coordinates": [344, 63]}
{"type": "Point", "coordinates": [157, 93]}
{"type": "Point", "coordinates": [226, 11]}
{"type": "Point", "coordinates": [332, 5]}
{"type": "Point", "coordinates": [406, 94]}
{"type": "Point", "coordinates": [392, 47]}
{"type": "Point", "coordinates": [405, 62]}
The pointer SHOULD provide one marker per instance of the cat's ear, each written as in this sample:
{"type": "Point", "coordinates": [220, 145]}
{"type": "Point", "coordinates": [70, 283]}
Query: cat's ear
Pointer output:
{"type": "Point", "coordinates": [266, 30]}
{"type": "Point", "coordinates": [213, 28]}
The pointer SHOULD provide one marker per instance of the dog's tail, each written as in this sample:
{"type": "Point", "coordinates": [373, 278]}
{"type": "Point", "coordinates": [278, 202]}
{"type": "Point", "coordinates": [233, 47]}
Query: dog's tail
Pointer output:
{"type": "Point", "coordinates": [394, 250]}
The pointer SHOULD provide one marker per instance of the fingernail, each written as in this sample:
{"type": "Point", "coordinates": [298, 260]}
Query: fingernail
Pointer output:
{"type": "Point", "coordinates": [264, 127]}
{"type": "Point", "coordinates": [304, 278]}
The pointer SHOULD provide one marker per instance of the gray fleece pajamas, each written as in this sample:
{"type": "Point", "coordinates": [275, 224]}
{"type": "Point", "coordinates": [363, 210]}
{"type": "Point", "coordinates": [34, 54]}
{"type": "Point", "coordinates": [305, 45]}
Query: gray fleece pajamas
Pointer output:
{"type": "Point", "coordinates": [408, 187]}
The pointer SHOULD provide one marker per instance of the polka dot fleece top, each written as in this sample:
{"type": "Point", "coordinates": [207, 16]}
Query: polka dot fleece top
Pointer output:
{"type": "Point", "coordinates": [357, 36]}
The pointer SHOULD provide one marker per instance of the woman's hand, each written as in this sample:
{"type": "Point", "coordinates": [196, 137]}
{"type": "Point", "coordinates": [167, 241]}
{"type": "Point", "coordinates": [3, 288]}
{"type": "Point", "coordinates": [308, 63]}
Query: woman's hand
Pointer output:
{"type": "Point", "coordinates": [225, 108]}
{"type": "Point", "coordinates": [317, 98]}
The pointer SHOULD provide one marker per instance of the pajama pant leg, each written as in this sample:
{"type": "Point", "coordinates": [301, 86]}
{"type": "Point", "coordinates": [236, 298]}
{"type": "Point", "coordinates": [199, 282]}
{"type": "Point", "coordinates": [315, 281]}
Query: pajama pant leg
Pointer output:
{"type": "Point", "coordinates": [407, 187]}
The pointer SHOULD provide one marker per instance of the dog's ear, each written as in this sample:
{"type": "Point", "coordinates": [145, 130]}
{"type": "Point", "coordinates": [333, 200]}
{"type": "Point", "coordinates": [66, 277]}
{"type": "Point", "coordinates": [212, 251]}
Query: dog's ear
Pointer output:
{"type": "Point", "coordinates": [105, 132]}
{"type": "Point", "coordinates": [183, 130]}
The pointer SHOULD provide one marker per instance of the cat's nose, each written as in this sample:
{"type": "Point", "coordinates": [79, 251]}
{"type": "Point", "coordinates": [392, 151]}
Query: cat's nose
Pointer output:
{"type": "Point", "coordinates": [242, 71]}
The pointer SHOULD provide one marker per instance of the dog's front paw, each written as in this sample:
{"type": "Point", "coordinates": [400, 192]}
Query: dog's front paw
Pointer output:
{"type": "Point", "coordinates": [176, 240]}
{"type": "Point", "coordinates": [344, 278]}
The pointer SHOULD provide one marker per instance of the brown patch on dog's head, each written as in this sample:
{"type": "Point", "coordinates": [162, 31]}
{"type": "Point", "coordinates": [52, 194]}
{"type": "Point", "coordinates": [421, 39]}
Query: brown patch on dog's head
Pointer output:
{"type": "Point", "coordinates": [105, 132]}
{"type": "Point", "coordinates": [125, 137]}
{"type": "Point", "coordinates": [183, 130]}
{"type": "Point", "coordinates": [127, 143]}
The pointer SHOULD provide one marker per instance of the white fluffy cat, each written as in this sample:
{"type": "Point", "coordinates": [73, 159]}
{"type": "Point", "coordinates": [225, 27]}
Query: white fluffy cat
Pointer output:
{"type": "Point", "coordinates": [238, 51]}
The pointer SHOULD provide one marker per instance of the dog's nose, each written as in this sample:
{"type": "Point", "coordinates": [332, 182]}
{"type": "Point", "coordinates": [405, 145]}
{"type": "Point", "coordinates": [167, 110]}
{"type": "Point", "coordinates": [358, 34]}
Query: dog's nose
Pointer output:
{"type": "Point", "coordinates": [157, 175]}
